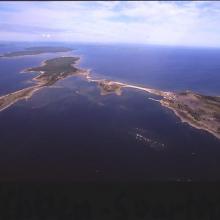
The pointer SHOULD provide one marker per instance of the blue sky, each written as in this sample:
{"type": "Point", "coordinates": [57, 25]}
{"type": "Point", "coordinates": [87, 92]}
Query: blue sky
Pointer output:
{"type": "Point", "coordinates": [192, 23]}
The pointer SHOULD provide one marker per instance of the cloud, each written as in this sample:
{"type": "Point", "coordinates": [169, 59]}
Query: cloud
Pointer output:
{"type": "Point", "coordinates": [27, 28]}
{"type": "Point", "coordinates": [46, 35]}
{"type": "Point", "coordinates": [191, 23]}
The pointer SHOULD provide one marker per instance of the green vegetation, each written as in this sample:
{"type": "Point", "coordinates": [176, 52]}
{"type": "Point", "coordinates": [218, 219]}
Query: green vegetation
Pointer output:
{"type": "Point", "coordinates": [55, 69]}
{"type": "Point", "coordinates": [52, 71]}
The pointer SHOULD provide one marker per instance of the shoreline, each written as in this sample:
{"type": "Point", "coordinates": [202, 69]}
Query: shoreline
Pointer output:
{"type": "Point", "coordinates": [11, 98]}
{"type": "Point", "coordinates": [182, 120]}
{"type": "Point", "coordinates": [106, 86]}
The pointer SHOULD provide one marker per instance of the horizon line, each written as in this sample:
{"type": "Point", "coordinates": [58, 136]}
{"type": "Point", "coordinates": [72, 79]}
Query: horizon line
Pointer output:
{"type": "Point", "coordinates": [112, 43]}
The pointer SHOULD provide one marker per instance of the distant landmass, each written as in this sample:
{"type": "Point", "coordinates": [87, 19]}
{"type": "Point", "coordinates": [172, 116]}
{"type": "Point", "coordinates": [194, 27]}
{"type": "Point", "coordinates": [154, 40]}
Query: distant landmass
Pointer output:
{"type": "Point", "coordinates": [35, 51]}
{"type": "Point", "coordinates": [199, 111]}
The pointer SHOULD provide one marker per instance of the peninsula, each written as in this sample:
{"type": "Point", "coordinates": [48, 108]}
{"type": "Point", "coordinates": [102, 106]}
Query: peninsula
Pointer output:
{"type": "Point", "coordinates": [199, 111]}
{"type": "Point", "coordinates": [35, 51]}
{"type": "Point", "coordinates": [50, 72]}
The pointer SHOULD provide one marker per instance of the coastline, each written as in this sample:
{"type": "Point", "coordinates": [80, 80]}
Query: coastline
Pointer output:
{"type": "Point", "coordinates": [106, 86]}
{"type": "Point", "coordinates": [20, 93]}
{"type": "Point", "coordinates": [189, 122]}
{"type": "Point", "coordinates": [26, 93]}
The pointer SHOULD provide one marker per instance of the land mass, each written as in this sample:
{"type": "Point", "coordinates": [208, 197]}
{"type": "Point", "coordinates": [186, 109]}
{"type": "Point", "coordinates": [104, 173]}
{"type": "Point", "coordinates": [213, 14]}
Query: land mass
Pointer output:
{"type": "Point", "coordinates": [35, 51]}
{"type": "Point", "coordinates": [199, 111]}
{"type": "Point", "coordinates": [50, 72]}
{"type": "Point", "coordinates": [108, 87]}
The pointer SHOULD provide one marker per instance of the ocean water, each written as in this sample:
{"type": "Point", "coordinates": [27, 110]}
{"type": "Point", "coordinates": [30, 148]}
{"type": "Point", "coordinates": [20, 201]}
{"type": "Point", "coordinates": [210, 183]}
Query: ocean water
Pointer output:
{"type": "Point", "coordinates": [11, 76]}
{"type": "Point", "coordinates": [71, 132]}
{"type": "Point", "coordinates": [165, 68]}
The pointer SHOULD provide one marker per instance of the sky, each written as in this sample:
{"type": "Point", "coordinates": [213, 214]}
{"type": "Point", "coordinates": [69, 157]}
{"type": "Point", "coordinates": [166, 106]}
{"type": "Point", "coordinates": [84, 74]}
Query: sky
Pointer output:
{"type": "Point", "coordinates": [187, 23]}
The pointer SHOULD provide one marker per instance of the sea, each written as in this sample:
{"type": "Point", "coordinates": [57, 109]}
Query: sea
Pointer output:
{"type": "Point", "coordinates": [70, 132]}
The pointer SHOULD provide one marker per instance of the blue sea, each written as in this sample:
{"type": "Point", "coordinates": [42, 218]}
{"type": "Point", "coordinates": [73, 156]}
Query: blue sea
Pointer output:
{"type": "Point", "coordinates": [70, 132]}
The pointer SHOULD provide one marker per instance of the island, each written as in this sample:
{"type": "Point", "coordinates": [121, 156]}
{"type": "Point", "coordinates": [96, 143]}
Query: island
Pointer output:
{"type": "Point", "coordinates": [199, 111]}
{"type": "Point", "coordinates": [35, 51]}
{"type": "Point", "coordinates": [108, 86]}
{"type": "Point", "coordinates": [49, 73]}
{"type": "Point", "coordinates": [54, 69]}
